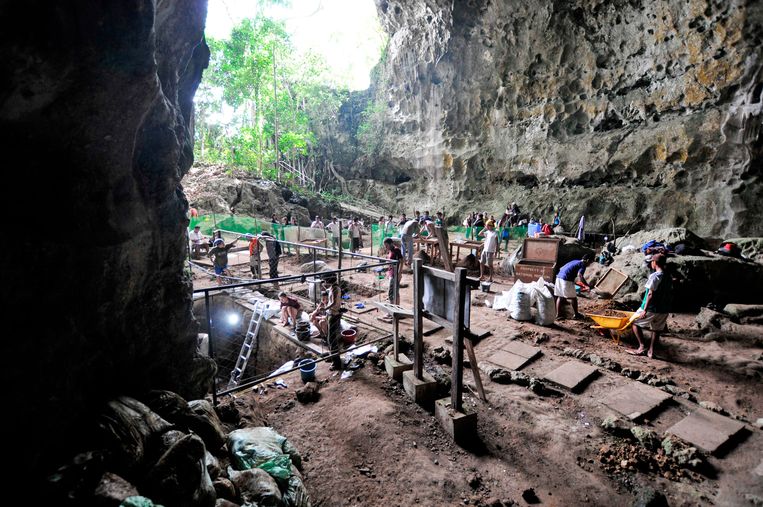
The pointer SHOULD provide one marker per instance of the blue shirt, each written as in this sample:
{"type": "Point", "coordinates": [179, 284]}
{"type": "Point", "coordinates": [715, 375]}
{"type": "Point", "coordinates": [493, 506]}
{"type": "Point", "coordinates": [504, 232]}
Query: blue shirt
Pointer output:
{"type": "Point", "coordinates": [570, 270]}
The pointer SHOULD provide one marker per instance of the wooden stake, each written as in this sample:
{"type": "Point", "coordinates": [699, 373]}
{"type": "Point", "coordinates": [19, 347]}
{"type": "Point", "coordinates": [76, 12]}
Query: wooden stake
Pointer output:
{"type": "Point", "coordinates": [475, 369]}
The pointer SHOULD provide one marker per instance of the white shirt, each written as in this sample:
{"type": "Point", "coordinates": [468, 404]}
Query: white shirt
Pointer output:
{"type": "Point", "coordinates": [410, 228]}
{"type": "Point", "coordinates": [491, 240]}
{"type": "Point", "coordinates": [354, 229]}
{"type": "Point", "coordinates": [317, 224]}
{"type": "Point", "coordinates": [196, 237]}
{"type": "Point", "coordinates": [333, 228]}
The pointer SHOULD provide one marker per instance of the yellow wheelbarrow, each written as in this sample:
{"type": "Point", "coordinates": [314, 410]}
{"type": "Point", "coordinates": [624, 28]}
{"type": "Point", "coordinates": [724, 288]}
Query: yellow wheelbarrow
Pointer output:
{"type": "Point", "coordinates": [614, 325]}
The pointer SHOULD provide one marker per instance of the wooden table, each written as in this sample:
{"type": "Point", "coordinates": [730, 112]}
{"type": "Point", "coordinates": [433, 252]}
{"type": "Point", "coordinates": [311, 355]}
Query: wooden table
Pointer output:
{"type": "Point", "coordinates": [471, 245]}
{"type": "Point", "coordinates": [429, 244]}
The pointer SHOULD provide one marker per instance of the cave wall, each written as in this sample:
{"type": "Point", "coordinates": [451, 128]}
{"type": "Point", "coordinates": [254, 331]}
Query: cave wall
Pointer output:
{"type": "Point", "coordinates": [96, 111]}
{"type": "Point", "coordinates": [646, 112]}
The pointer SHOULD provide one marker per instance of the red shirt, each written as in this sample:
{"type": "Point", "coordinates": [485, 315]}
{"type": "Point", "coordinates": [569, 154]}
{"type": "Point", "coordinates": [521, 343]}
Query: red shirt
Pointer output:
{"type": "Point", "coordinates": [394, 255]}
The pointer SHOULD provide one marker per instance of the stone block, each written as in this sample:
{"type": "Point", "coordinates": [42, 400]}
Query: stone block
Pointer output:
{"type": "Point", "coordinates": [395, 368]}
{"type": "Point", "coordinates": [422, 391]}
{"type": "Point", "coordinates": [461, 426]}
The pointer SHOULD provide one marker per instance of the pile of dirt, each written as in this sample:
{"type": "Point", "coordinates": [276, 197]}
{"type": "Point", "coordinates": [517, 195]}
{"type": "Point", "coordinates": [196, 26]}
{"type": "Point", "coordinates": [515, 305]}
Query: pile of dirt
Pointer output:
{"type": "Point", "coordinates": [624, 458]}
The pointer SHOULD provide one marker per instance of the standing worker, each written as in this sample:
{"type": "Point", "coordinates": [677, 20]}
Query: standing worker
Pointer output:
{"type": "Point", "coordinates": [394, 271]}
{"type": "Point", "coordinates": [564, 288]}
{"type": "Point", "coordinates": [334, 317]}
{"type": "Point", "coordinates": [488, 250]}
{"type": "Point", "coordinates": [219, 256]}
{"type": "Point", "coordinates": [410, 229]}
{"type": "Point", "coordinates": [653, 314]}
{"type": "Point", "coordinates": [273, 248]}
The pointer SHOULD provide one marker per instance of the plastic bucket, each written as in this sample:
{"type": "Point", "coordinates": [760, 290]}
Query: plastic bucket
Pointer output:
{"type": "Point", "coordinates": [533, 228]}
{"type": "Point", "coordinates": [307, 370]}
{"type": "Point", "coordinates": [348, 336]}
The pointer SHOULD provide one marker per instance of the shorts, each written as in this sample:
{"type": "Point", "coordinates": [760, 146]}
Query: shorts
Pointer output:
{"type": "Point", "coordinates": [487, 258]}
{"type": "Point", "coordinates": [355, 243]}
{"type": "Point", "coordinates": [564, 289]}
{"type": "Point", "coordinates": [219, 270]}
{"type": "Point", "coordinates": [652, 321]}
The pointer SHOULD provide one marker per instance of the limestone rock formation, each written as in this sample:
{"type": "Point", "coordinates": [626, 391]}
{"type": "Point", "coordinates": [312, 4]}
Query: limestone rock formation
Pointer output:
{"type": "Point", "coordinates": [645, 112]}
{"type": "Point", "coordinates": [96, 109]}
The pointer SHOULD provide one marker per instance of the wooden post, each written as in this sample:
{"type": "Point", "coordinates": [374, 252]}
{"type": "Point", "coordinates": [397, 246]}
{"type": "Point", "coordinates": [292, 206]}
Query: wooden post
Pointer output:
{"type": "Point", "coordinates": [339, 262]}
{"type": "Point", "coordinates": [396, 338]}
{"type": "Point", "coordinates": [418, 318]}
{"type": "Point", "coordinates": [442, 242]}
{"type": "Point", "coordinates": [457, 375]}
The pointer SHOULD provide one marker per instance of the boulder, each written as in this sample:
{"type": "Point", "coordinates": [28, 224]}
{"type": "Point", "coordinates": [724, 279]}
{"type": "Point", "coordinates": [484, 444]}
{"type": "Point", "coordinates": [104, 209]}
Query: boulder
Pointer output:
{"type": "Point", "coordinates": [699, 279]}
{"type": "Point", "coordinates": [739, 311]}
{"type": "Point", "coordinates": [709, 320]}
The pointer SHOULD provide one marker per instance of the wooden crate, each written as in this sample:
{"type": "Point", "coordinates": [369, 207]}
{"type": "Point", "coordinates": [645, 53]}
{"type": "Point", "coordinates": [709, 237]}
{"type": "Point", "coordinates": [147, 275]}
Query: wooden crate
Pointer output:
{"type": "Point", "coordinates": [539, 256]}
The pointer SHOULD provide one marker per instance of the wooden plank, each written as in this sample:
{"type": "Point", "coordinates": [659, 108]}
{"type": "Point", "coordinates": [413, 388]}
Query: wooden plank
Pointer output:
{"type": "Point", "coordinates": [442, 243]}
{"type": "Point", "coordinates": [418, 323]}
{"type": "Point", "coordinates": [436, 318]}
{"type": "Point", "coordinates": [439, 273]}
{"type": "Point", "coordinates": [475, 370]}
{"type": "Point", "coordinates": [457, 374]}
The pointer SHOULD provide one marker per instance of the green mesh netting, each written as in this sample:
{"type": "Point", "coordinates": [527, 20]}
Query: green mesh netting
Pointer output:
{"type": "Point", "coordinates": [249, 225]}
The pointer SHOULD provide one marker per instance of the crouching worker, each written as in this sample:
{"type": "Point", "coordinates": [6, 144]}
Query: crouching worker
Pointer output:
{"type": "Point", "coordinates": [290, 308]}
{"type": "Point", "coordinates": [564, 288]}
{"type": "Point", "coordinates": [653, 314]}
{"type": "Point", "coordinates": [318, 317]}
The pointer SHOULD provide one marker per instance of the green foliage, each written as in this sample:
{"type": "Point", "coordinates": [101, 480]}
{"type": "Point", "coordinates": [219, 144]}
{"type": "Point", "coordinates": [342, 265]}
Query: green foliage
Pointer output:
{"type": "Point", "coordinates": [275, 95]}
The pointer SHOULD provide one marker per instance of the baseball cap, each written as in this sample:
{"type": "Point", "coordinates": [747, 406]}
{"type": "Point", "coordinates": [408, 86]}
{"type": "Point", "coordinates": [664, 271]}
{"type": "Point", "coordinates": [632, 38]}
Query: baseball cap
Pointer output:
{"type": "Point", "coordinates": [218, 241]}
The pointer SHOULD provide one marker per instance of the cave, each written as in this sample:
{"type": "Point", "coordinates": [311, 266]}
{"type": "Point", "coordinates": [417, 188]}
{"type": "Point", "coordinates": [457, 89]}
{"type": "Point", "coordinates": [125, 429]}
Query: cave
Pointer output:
{"type": "Point", "coordinates": [636, 114]}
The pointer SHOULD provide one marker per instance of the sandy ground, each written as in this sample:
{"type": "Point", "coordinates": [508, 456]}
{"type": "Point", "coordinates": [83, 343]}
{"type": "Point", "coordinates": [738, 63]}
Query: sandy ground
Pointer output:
{"type": "Point", "coordinates": [366, 443]}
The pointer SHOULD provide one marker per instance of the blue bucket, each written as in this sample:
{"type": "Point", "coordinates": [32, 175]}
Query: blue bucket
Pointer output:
{"type": "Point", "coordinates": [308, 370]}
{"type": "Point", "coordinates": [532, 229]}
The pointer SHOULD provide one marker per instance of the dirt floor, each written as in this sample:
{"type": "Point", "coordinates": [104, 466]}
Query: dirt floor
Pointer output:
{"type": "Point", "coordinates": [366, 443]}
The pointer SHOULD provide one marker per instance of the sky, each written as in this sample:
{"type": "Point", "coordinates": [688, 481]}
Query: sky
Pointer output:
{"type": "Point", "coordinates": [346, 32]}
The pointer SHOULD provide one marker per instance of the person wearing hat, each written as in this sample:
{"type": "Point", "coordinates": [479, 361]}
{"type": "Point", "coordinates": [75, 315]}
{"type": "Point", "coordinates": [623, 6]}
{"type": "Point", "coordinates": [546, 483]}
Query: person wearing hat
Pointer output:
{"type": "Point", "coordinates": [334, 318]}
{"type": "Point", "coordinates": [197, 242]}
{"type": "Point", "coordinates": [653, 313]}
{"type": "Point", "coordinates": [488, 250]}
{"type": "Point", "coordinates": [219, 256]}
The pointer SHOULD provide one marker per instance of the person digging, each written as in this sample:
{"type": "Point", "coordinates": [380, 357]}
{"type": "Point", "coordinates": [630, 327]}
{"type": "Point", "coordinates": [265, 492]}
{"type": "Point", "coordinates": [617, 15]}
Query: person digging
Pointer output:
{"type": "Point", "coordinates": [653, 313]}
{"type": "Point", "coordinates": [564, 288]}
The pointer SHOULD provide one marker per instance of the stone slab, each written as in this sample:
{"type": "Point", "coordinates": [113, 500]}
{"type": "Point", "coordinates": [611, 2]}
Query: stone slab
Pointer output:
{"type": "Point", "coordinates": [572, 375]}
{"type": "Point", "coordinates": [461, 426]}
{"type": "Point", "coordinates": [508, 360]}
{"type": "Point", "coordinates": [422, 391]}
{"type": "Point", "coordinates": [521, 349]}
{"type": "Point", "coordinates": [635, 400]}
{"type": "Point", "coordinates": [395, 368]}
{"type": "Point", "coordinates": [705, 429]}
